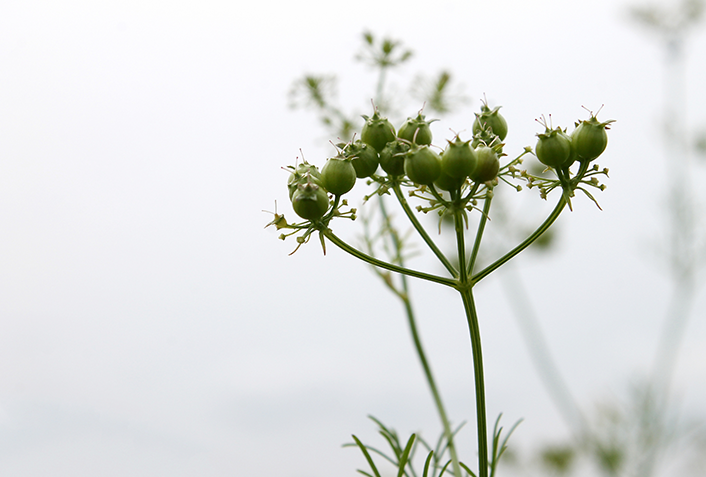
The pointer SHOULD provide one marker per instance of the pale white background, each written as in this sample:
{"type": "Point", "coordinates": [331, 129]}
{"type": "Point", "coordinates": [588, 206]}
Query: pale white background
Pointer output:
{"type": "Point", "coordinates": [150, 326]}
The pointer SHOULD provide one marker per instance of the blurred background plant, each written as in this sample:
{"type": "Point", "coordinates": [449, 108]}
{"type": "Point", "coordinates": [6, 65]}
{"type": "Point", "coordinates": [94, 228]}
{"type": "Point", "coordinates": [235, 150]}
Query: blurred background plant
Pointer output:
{"type": "Point", "coordinates": [639, 431]}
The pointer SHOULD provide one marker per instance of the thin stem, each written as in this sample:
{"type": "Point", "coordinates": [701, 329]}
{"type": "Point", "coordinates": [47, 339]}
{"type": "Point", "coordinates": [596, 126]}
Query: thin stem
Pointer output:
{"type": "Point", "coordinates": [479, 233]}
{"type": "Point", "coordinates": [461, 244]}
{"type": "Point", "coordinates": [382, 264]}
{"type": "Point", "coordinates": [526, 243]}
{"type": "Point", "coordinates": [430, 381]}
{"type": "Point", "coordinates": [474, 332]}
{"type": "Point", "coordinates": [660, 384]}
{"type": "Point", "coordinates": [540, 355]}
{"type": "Point", "coordinates": [423, 233]}
{"type": "Point", "coordinates": [474, 329]}
{"type": "Point", "coordinates": [336, 201]}
{"type": "Point", "coordinates": [438, 196]}
{"type": "Point", "coordinates": [404, 297]}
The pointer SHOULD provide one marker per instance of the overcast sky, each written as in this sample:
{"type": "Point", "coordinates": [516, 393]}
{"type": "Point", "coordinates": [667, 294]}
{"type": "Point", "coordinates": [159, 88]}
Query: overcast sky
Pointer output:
{"type": "Point", "coordinates": [150, 326]}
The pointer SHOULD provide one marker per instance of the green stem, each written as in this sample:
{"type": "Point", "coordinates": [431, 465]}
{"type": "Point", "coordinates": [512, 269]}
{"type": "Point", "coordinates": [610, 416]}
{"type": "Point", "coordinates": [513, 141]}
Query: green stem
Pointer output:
{"type": "Point", "coordinates": [479, 233]}
{"type": "Point", "coordinates": [526, 243]}
{"type": "Point", "coordinates": [473, 327]}
{"type": "Point", "coordinates": [404, 296]}
{"type": "Point", "coordinates": [474, 332]}
{"type": "Point", "coordinates": [336, 201]}
{"type": "Point", "coordinates": [438, 196]}
{"type": "Point", "coordinates": [461, 243]}
{"type": "Point", "coordinates": [430, 380]}
{"type": "Point", "coordinates": [382, 264]}
{"type": "Point", "coordinates": [410, 311]}
{"type": "Point", "coordinates": [423, 233]}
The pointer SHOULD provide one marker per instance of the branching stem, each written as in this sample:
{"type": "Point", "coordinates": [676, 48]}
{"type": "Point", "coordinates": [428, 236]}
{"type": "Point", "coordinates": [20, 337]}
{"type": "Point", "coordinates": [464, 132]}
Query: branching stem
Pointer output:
{"type": "Point", "coordinates": [422, 232]}
{"type": "Point", "coordinates": [382, 264]}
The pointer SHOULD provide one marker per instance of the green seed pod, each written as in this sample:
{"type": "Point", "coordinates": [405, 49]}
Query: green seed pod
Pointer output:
{"type": "Point", "coordinates": [392, 157]}
{"type": "Point", "coordinates": [338, 175]}
{"type": "Point", "coordinates": [487, 165]}
{"type": "Point", "coordinates": [416, 126]}
{"type": "Point", "coordinates": [422, 165]}
{"type": "Point", "coordinates": [458, 159]}
{"type": "Point", "coordinates": [302, 174]}
{"type": "Point", "coordinates": [446, 182]}
{"type": "Point", "coordinates": [310, 201]}
{"type": "Point", "coordinates": [365, 159]}
{"type": "Point", "coordinates": [377, 131]}
{"type": "Point", "coordinates": [553, 148]}
{"type": "Point", "coordinates": [590, 138]}
{"type": "Point", "coordinates": [493, 119]}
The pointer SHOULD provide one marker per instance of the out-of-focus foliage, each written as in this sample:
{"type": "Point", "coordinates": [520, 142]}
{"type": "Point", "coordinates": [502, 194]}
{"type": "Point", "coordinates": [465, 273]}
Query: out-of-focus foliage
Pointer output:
{"type": "Point", "coordinates": [318, 92]}
{"type": "Point", "coordinates": [669, 21]}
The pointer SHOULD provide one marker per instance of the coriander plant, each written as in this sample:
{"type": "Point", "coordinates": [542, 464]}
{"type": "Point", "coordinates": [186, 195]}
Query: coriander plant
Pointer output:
{"type": "Point", "coordinates": [457, 182]}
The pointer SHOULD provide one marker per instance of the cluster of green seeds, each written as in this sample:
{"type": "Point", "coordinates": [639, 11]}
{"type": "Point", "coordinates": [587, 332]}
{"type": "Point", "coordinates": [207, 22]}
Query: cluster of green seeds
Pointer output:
{"type": "Point", "coordinates": [406, 155]}
{"type": "Point", "coordinates": [559, 150]}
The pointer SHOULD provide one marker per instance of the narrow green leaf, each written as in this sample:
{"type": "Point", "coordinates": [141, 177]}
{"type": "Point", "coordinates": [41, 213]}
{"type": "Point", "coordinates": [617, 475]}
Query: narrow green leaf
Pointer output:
{"type": "Point", "coordinates": [440, 451]}
{"type": "Point", "coordinates": [503, 446]}
{"type": "Point", "coordinates": [377, 421]}
{"type": "Point", "coordinates": [390, 440]}
{"type": "Point", "coordinates": [496, 438]}
{"type": "Point", "coordinates": [465, 467]}
{"type": "Point", "coordinates": [392, 461]}
{"type": "Point", "coordinates": [405, 455]}
{"type": "Point", "coordinates": [367, 456]}
{"type": "Point", "coordinates": [426, 464]}
{"type": "Point", "coordinates": [376, 451]}
{"type": "Point", "coordinates": [443, 469]}
{"type": "Point", "coordinates": [499, 446]}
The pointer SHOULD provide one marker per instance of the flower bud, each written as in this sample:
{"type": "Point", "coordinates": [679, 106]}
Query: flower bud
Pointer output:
{"type": "Point", "coordinates": [458, 159]}
{"type": "Point", "coordinates": [553, 148]}
{"type": "Point", "coordinates": [590, 138]}
{"type": "Point", "coordinates": [365, 158]}
{"type": "Point", "coordinates": [448, 183]}
{"type": "Point", "coordinates": [493, 119]}
{"type": "Point", "coordinates": [392, 157]}
{"type": "Point", "coordinates": [487, 165]}
{"type": "Point", "coordinates": [310, 201]}
{"type": "Point", "coordinates": [416, 130]}
{"type": "Point", "coordinates": [302, 174]}
{"type": "Point", "coordinates": [338, 175]}
{"type": "Point", "coordinates": [422, 165]}
{"type": "Point", "coordinates": [377, 131]}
